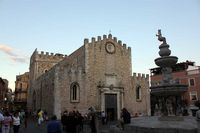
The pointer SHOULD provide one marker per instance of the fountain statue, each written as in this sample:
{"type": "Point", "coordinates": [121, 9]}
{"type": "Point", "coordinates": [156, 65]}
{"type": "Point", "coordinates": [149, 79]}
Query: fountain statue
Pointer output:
{"type": "Point", "coordinates": [168, 92]}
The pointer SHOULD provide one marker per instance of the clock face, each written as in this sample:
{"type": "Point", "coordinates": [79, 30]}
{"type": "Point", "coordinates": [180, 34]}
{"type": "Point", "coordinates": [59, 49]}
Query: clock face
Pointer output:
{"type": "Point", "coordinates": [110, 48]}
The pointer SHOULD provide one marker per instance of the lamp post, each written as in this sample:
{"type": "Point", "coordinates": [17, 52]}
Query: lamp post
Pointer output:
{"type": "Point", "coordinates": [5, 102]}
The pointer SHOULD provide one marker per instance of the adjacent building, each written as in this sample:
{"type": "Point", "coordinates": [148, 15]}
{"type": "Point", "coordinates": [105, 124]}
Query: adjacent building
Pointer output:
{"type": "Point", "coordinates": [98, 74]}
{"type": "Point", "coordinates": [185, 73]}
{"type": "Point", "coordinates": [3, 92]}
{"type": "Point", "coordinates": [21, 90]}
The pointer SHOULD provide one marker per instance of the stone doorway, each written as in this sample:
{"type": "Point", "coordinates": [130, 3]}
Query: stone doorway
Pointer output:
{"type": "Point", "coordinates": [111, 106]}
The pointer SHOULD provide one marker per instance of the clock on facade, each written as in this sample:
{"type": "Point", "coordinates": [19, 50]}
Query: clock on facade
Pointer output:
{"type": "Point", "coordinates": [110, 47]}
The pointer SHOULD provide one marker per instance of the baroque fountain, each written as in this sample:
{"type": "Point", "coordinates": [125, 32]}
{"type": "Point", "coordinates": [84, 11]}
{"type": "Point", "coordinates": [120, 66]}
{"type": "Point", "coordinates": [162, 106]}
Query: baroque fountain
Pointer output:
{"type": "Point", "coordinates": [167, 95]}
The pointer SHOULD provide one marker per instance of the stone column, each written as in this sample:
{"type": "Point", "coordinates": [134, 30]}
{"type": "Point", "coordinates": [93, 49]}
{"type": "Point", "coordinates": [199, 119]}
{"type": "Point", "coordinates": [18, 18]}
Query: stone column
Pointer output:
{"type": "Point", "coordinates": [102, 101]}
{"type": "Point", "coordinates": [118, 105]}
{"type": "Point", "coordinates": [57, 99]}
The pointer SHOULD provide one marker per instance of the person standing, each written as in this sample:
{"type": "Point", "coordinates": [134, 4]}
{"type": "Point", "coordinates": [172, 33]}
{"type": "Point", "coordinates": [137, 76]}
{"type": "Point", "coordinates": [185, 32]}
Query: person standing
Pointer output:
{"type": "Point", "coordinates": [6, 123]}
{"type": "Point", "coordinates": [1, 119]}
{"type": "Point", "coordinates": [198, 120]}
{"type": "Point", "coordinates": [103, 117]}
{"type": "Point", "coordinates": [16, 122]}
{"type": "Point", "coordinates": [64, 120]}
{"type": "Point", "coordinates": [54, 126]}
{"type": "Point", "coordinates": [125, 118]}
{"type": "Point", "coordinates": [71, 123]}
{"type": "Point", "coordinates": [93, 120]}
{"type": "Point", "coordinates": [26, 119]}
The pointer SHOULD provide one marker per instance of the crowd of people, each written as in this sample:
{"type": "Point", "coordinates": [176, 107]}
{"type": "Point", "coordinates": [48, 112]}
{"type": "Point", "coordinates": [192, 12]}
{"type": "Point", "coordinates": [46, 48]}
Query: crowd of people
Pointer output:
{"type": "Point", "coordinates": [71, 121]}
{"type": "Point", "coordinates": [11, 120]}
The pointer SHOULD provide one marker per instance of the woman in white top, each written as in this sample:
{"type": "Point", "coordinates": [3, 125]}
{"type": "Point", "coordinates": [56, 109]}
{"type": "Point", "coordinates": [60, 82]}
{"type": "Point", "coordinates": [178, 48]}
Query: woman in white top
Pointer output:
{"type": "Point", "coordinates": [16, 122]}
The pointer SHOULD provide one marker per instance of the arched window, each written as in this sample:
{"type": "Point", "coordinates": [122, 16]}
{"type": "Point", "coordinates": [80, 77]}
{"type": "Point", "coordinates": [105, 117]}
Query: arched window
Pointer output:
{"type": "Point", "coordinates": [74, 92]}
{"type": "Point", "coordinates": [138, 93]}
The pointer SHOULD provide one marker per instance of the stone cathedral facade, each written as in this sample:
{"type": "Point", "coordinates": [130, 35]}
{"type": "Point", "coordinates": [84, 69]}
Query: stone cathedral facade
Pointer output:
{"type": "Point", "coordinates": [98, 74]}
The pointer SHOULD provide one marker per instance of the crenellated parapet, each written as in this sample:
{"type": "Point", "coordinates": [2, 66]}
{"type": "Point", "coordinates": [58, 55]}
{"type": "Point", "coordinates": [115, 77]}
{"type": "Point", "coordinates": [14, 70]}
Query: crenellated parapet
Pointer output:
{"type": "Point", "coordinates": [140, 76]}
{"type": "Point", "coordinates": [104, 39]}
{"type": "Point", "coordinates": [47, 55]}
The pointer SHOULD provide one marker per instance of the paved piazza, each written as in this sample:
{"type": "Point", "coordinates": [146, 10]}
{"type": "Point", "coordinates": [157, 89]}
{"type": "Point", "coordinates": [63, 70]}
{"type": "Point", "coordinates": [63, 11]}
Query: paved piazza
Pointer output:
{"type": "Point", "coordinates": [152, 125]}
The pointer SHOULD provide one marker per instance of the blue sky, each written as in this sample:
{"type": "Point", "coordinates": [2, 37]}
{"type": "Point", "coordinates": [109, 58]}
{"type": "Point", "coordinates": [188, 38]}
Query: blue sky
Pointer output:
{"type": "Point", "coordinates": [60, 26]}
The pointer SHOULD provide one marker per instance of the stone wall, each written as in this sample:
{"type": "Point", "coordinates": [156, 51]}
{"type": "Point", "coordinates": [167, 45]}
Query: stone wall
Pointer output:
{"type": "Point", "coordinates": [40, 63]}
{"type": "Point", "coordinates": [141, 106]}
{"type": "Point", "coordinates": [44, 88]}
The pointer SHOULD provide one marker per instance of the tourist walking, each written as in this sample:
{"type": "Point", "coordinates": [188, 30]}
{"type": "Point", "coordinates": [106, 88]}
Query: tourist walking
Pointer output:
{"type": "Point", "coordinates": [16, 122]}
{"type": "Point", "coordinates": [54, 126]}
{"type": "Point", "coordinates": [40, 117]}
{"type": "Point", "coordinates": [6, 123]}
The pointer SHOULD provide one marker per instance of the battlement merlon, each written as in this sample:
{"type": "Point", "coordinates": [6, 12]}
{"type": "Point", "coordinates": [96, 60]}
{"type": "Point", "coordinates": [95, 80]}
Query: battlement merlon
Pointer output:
{"type": "Point", "coordinates": [141, 76]}
{"type": "Point", "coordinates": [120, 42]}
{"type": "Point", "coordinates": [105, 38]}
{"type": "Point", "coordinates": [129, 49]}
{"type": "Point", "coordinates": [44, 55]}
{"type": "Point", "coordinates": [115, 39]}
{"type": "Point", "coordinates": [124, 46]}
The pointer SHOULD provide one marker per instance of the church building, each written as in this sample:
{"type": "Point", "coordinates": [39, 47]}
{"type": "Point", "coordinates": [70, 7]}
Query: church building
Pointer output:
{"type": "Point", "coordinates": [98, 74]}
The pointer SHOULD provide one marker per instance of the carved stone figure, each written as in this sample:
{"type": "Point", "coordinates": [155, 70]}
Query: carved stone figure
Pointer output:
{"type": "Point", "coordinates": [169, 107]}
{"type": "Point", "coordinates": [160, 37]}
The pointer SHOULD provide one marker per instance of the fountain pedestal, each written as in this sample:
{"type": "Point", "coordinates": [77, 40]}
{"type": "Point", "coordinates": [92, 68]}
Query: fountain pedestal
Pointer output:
{"type": "Point", "coordinates": [168, 93]}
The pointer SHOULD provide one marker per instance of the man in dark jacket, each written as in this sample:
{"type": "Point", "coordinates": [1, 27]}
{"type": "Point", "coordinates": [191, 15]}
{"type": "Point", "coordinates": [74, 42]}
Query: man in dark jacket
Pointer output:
{"type": "Point", "coordinates": [64, 120]}
{"type": "Point", "coordinates": [54, 126]}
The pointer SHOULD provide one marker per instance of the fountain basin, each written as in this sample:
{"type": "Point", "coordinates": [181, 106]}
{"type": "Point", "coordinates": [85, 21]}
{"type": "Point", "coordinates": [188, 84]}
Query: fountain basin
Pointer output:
{"type": "Point", "coordinates": [165, 90]}
{"type": "Point", "coordinates": [166, 61]}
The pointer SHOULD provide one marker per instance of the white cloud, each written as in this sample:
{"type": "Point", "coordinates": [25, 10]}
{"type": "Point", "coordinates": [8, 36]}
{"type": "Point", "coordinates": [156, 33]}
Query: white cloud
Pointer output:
{"type": "Point", "coordinates": [14, 55]}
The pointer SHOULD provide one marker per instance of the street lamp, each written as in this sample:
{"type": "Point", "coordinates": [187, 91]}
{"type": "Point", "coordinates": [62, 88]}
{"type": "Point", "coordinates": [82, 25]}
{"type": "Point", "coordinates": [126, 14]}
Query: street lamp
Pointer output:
{"type": "Point", "coordinates": [5, 102]}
